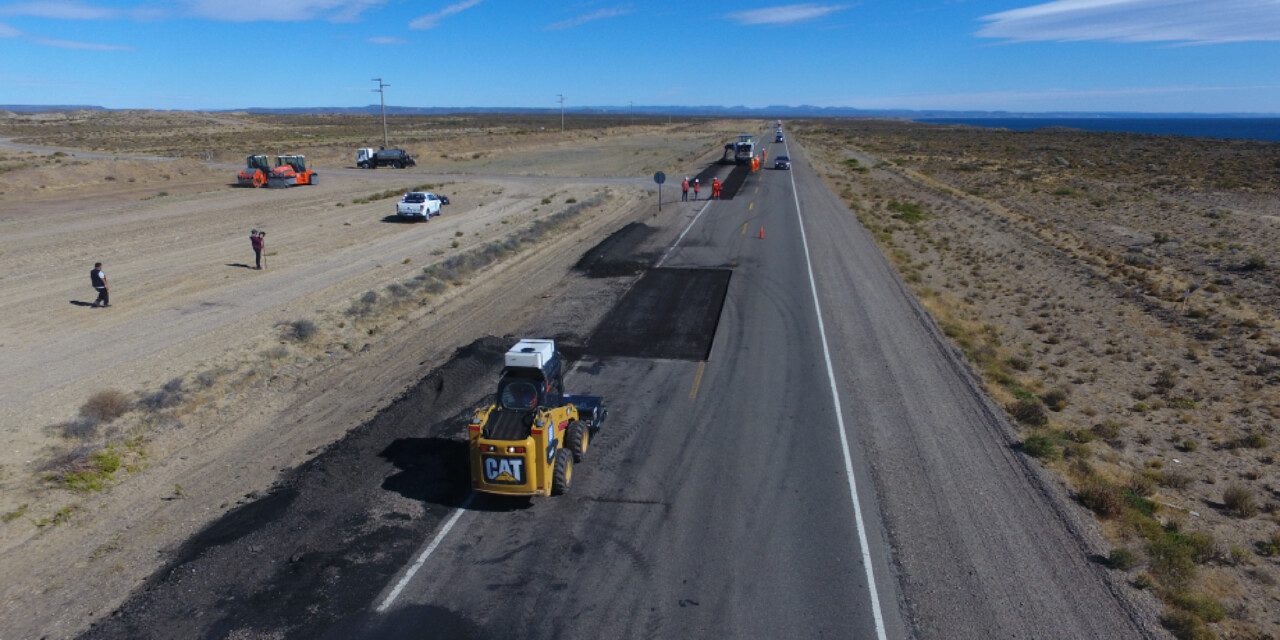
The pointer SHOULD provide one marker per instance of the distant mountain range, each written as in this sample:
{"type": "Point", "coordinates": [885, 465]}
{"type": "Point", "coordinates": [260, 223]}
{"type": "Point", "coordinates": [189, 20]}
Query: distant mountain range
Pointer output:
{"type": "Point", "coordinates": [776, 111]}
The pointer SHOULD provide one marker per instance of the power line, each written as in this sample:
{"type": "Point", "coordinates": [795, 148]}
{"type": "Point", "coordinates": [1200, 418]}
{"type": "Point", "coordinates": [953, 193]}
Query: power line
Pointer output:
{"type": "Point", "coordinates": [382, 96]}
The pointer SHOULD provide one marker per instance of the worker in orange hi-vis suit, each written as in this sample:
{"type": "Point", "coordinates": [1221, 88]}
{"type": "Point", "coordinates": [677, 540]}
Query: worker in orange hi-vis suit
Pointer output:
{"type": "Point", "coordinates": [715, 189]}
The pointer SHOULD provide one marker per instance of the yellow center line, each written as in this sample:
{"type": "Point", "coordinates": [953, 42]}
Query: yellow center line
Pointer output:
{"type": "Point", "coordinates": [697, 380]}
{"type": "Point", "coordinates": [744, 228]}
{"type": "Point", "coordinates": [757, 189]}
{"type": "Point", "coordinates": [751, 206]}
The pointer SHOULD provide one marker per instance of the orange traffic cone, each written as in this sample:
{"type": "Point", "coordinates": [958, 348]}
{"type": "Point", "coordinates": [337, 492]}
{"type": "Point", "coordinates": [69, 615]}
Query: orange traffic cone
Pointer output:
{"type": "Point", "coordinates": [762, 233]}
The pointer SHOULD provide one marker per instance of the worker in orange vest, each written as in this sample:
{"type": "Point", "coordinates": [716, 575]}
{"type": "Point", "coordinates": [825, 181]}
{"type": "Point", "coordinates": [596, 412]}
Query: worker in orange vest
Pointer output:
{"type": "Point", "coordinates": [715, 188]}
{"type": "Point", "coordinates": [684, 189]}
{"type": "Point", "coordinates": [696, 186]}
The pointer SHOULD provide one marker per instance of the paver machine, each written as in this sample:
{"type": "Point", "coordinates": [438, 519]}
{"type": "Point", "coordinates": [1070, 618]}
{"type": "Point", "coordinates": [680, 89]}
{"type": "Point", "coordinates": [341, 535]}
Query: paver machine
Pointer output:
{"type": "Point", "coordinates": [526, 442]}
{"type": "Point", "coordinates": [255, 172]}
{"type": "Point", "coordinates": [290, 171]}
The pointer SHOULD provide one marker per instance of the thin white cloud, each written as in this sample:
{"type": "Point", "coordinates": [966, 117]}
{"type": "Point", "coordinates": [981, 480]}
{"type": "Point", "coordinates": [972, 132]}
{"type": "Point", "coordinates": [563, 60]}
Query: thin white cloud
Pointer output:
{"type": "Point", "coordinates": [432, 20]}
{"type": "Point", "coordinates": [788, 14]}
{"type": "Point", "coordinates": [72, 44]}
{"type": "Point", "coordinates": [1128, 98]}
{"type": "Point", "coordinates": [1192, 21]}
{"type": "Point", "coordinates": [387, 40]}
{"type": "Point", "coordinates": [58, 10]}
{"type": "Point", "coordinates": [599, 14]}
{"type": "Point", "coordinates": [7, 31]}
{"type": "Point", "coordinates": [219, 10]}
{"type": "Point", "coordinates": [278, 11]}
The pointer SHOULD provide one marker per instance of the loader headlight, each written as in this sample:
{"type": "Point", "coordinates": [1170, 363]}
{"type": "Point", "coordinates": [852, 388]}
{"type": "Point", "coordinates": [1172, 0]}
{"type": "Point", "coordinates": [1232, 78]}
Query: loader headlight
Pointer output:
{"type": "Point", "coordinates": [515, 449]}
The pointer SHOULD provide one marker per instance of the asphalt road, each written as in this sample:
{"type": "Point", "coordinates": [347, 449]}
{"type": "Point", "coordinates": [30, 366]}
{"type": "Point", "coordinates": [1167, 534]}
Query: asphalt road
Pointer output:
{"type": "Point", "coordinates": [722, 510]}
{"type": "Point", "coordinates": [716, 500]}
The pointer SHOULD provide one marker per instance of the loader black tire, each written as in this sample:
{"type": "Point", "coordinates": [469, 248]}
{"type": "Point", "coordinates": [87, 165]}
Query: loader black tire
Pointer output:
{"type": "Point", "coordinates": [578, 439]}
{"type": "Point", "coordinates": [562, 473]}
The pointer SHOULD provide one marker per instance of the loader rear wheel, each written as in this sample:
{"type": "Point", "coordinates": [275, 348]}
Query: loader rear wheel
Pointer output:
{"type": "Point", "coordinates": [578, 439]}
{"type": "Point", "coordinates": [562, 474]}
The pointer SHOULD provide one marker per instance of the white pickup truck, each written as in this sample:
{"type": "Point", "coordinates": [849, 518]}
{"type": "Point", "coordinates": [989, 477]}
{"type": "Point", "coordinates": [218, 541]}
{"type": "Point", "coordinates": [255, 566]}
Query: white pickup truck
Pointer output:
{"type": "Point", "coordinates": [419, 205]}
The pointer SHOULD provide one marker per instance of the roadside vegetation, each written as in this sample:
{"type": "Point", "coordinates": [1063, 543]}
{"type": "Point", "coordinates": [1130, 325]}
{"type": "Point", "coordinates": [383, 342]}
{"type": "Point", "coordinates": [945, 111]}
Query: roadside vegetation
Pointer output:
{"type": "Point", "coordinates": [1113, 293]}
{"type": "Point", "coordinates": [110, 437]}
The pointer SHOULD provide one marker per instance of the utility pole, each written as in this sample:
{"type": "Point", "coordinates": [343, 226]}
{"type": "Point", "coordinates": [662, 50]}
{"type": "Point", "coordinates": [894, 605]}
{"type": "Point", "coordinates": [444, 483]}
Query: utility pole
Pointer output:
{"type": "Point", "coordinates": [632, 104]}
{"type": "Point", "coordinates": [382, 96]}
{"type": "Point", "coordinates": [561, 112]}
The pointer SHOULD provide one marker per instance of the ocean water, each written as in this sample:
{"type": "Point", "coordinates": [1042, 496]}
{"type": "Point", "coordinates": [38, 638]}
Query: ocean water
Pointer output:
{"type": "Point", "coordinates": [1251, 128]}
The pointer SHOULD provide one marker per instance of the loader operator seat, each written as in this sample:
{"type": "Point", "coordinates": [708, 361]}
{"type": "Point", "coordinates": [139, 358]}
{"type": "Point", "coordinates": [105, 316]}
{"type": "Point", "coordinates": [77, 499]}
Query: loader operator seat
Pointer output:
{"type": "Point", "coordinates": [520, 395]}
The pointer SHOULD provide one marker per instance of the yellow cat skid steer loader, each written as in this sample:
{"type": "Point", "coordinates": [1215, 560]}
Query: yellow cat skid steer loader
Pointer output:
{"type": "Point", "coordinates": [527, 441]}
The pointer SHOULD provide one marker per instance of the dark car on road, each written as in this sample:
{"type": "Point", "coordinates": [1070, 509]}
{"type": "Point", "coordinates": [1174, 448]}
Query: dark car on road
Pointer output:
{"type": "Point", "coordinates": [782, 162]}
{"type": "Point", "coordinates": [778, 138]}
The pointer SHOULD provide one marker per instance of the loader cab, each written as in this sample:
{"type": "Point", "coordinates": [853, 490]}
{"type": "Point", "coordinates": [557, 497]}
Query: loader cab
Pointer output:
{"type": "Point", "coordinates": [257, 162]}
{"type": "Point", "coordinates": [528, 388]}
{"type": "Point", "coordinates": [298, 163]}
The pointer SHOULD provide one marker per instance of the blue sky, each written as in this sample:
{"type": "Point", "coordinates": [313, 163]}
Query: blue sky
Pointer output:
{"type": "Point", "coordinates": [1019, 55]}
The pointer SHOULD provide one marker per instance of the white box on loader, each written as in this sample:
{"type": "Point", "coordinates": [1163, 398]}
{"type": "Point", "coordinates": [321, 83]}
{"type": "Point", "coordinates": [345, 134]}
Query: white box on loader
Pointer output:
{"type": "Point", "coordinates": [531, 353]}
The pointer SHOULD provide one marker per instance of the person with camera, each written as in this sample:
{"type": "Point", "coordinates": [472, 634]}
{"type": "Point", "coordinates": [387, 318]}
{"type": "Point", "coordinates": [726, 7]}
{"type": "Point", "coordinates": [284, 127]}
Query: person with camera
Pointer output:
{"type": "Point", "coordinates": [259, 241]}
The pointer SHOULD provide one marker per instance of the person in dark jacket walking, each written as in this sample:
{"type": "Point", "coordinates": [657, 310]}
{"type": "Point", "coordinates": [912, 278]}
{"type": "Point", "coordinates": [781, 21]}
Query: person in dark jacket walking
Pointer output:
{"type": "Point", "coordinates": [259, 241]}
{"type": "Point", "coordinates": [99, 279]}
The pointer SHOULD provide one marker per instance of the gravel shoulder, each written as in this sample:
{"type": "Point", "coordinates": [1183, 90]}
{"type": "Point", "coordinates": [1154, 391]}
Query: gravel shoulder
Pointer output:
{"type": "Point", "coordinates": [255, 401]}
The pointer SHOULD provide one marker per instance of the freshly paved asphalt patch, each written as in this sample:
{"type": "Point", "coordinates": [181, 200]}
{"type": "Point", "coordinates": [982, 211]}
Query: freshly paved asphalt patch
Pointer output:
{"type": "Point", "coordinates": [669, 314]}
{"type": "Point", "coordinates": [729, 186]}
{"type": "Point", "coordinates": [616, 254]}
{"type": "Point", "coordinates": [312, 554]}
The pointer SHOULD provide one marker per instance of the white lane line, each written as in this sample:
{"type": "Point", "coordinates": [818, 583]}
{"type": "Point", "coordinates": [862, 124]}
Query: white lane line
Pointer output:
{"type": "Point", "coordinates": [444, 531]}
{"type": "Point", "coordinates": [686, 230]}
{"type": "Point", "coordinates": [426, 553]}
{"type": "Point", "coordinates": [844, 439]}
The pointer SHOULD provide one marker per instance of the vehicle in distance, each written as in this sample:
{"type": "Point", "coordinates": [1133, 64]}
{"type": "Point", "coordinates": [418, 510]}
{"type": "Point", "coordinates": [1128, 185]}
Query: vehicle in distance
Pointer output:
{"type": "Point", "coordinates": [367, 158]}
{"type": "Point", "coordinates": [782, 162]}
{"type": "Point", "coordinates": [290, 171]}
{"type": "Point", "coordinates": [527, 441]}
{"type": "Point", "coordinates": [778, 138]}
{"type": "Point", "coordinates": [255, 171]}
{"type": "Point", "coordinates": [419, 205]}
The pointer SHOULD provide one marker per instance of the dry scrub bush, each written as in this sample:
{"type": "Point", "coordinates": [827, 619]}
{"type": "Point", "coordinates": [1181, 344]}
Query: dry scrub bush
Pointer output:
{"type": "Point", "coordinates": [1102, 499]}
{"type": "Point", "coordinates": [1186, 626]}
{"type": "Point", "coordinates": [106, 405]}
{"type": "Point", "coordinates": [1240, 500]}
{"type": "Point", "coordinates": [301, 330]}
{"type": "Point", "coordinates": [1028, 412]}
{"type": "Point", "coordinates": [170, 395]}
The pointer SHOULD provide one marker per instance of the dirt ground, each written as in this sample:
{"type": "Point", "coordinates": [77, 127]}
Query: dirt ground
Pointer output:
{"type": "Point", "coordinates": [128, 428]}
{"type": "Point", "coordinates": [1117, 293]}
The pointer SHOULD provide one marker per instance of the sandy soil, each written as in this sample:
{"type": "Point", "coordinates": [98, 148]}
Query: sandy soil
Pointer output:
{"type": "Point", "coordinates": [1117, 294]}
{"type": "Point", "coordinates": [231, 392]}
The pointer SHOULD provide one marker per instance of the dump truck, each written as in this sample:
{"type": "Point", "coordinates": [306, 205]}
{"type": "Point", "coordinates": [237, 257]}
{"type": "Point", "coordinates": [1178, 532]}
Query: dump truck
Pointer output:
{"type": "Point", "coordinates": [255, 172]}
{"type": "Point", "coordinates": [744, 149]}
{"type": "Point", "coordinates": [367, 158]}
{"type": "Point", "coordinates": [290, 171]}
{"type": "Point", "coordinates": [527, 440]}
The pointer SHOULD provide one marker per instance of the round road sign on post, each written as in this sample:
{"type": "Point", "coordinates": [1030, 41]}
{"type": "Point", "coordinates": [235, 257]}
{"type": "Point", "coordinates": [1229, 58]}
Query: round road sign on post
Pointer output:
{"type": "Point", "coordinates": [659, 178]}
